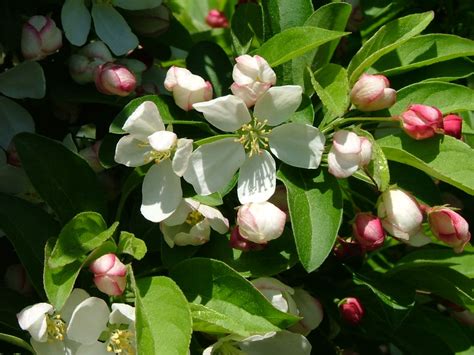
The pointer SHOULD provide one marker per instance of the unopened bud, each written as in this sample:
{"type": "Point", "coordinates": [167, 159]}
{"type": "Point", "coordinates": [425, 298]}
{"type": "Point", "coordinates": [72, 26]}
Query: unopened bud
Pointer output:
{"type": "Point", "coordinates": [368, 231]}
{"type": "Point", "coordinates": [421, 121]}
{"type": "Point", "coordinates": [452, 126]}
{"type": "Point", "coordinates": [217, 19]}
{"type": "Point", "coordinates": [238, 242]}
{"type": "Point", "coordinates": [373, 93]}
{"type": "Point", "coordinates": [351, 310]}
{"type": "Point", "coordinates": [40, 37]}
{"type": "Point", "coordinates": [449, 227]}
{"type": "Point", "coordinates": [110, 274]}
{"type": "Point", "coordinates": [113, 79]}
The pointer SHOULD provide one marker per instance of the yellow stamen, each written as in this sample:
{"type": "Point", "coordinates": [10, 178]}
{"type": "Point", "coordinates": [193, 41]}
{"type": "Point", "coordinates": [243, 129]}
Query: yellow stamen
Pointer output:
{"type": "Point", "coordinates": [194, 218]}
{"type": "Point", "coordinates": [121, 342]}
{"type": "Point", "coordinates": [56, 327]}
{"type": "Point", "coordinates": [254, 136]}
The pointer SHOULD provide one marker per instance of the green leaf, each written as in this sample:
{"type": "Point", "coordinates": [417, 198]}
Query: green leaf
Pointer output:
{"type": "Point", "coordinates": [424, 50]}
{"type": "Point", "coordinates": [332, 86]}
{"type": "Point", "coordinates": [283, 14]}
{"type": "Point", "coordinates": [62, 178]}
{"type": "Point", "coordinates": [14, 119]}
{"type": "Point", "coordinates": [315, 204]}
{"type": "Point", "coordinates": [11, 339]}
{"type": "Point", "coordinates": [24, 80]}
{"type": "Point", "coordinates": [107, 150]}
{"type": "Point", "coordinates": [446, 97]}
{"type": "Point", "coordinates": [294, 42]}
{"type": "Point", "coordinates": [76, 21]}
{"type": "Point", "coordinates": [86, 231]}
{"type": "Point", "coordinates": [443, 157]}
{"type": "Point", "coordinates": [304, 113]}
{"type": "Point", "coordinates": [131, 245]}
{"type": "Point", "coordinates": [164, 323]}
{"type": "Point", "coordinates": [386, 39]}
{"type": "Point", "coordinates": [246, 24]}
{"type": "Point", "coordinates": [28, 227]}
{"type": "Point", "coordinates": [172, 256]}
{"type": "Point", "coordinates": [215, 285]}
{"type": "Point", "coordinates": [209, 60]}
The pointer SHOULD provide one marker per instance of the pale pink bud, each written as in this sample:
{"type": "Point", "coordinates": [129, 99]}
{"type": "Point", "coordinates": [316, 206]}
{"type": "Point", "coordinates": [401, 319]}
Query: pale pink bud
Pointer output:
{"type": "Point", "coordinates": [110, 274]}
{"type": "Point", "coordinates": [260, 222]}
{"type": "Point", "coordinates": [83, 64]}
{"type": "Point", "coordinates": [421, 121]}
{"type": "Point", "coordinates": [113, 79]}
{"type": "Point", "coordinates": [449, 227]}
{"type": "Point", "coordinates": [310, 309]}
{"type": "Point", "coordinates": [348, 153]}
{"type": "Point", "coordinates": [351, 310]}
{"type": "Point", "coordinates": [373, 93]}
{"type": "Point", "coordinates": [236, 241]}
{"type": "Point", "coordinates": [368, 231]}
{"type": "Point", "coordinates": [40, 37]}
{"type": "Point", "coordinates": [187, 88]}
{"type": "Point", "coordinates": [17, 279]}
{"type": "Point", "coordinates": [217, 19]}
{"type": "Point", "coordinates": [452, 126]}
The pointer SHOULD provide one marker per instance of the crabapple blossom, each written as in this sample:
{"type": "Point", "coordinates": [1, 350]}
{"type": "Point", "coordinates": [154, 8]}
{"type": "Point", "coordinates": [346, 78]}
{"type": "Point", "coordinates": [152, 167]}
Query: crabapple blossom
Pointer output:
{"type": "Point", "coordinates": [297, 144]}
{"type": "Point", "coordinates": [114, 79]}
{"type": "Point", "coordinates": [148, 141]}
{"type": "Point", "coordinates": [191, 224]}
{"type": "Point", "coordinates": [372, 93]}
{"type": "Point", "coordinates": [187, 88]}
{"type": "Point", "coordinates": [351, 310]}
{"type": "Point", "coordinates": [421, 121]}
{"type": "Point", "coordinates": [452, 126]}
{"type": "Point", "coordinates": [110, 274]}
{"type": "Point", "coordinates": [217, 19]}
{"type": "Point", "coordinates": [252, 78]}
{"type": "Point", "coordinates": [83, 64]}
{"type": "Point", "coordinates": [348, 153]}
{"type": "Point", "coordinates": [368, 231]}
{"type": "Point", "coordinates": [40, 37]}
{"type": "Point", "coordinates": [449, 227]}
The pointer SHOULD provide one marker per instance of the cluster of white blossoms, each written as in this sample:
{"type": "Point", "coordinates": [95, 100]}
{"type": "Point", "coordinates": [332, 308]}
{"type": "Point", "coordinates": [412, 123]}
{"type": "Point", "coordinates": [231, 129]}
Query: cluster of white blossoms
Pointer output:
{"type": "Point", "coordinates": [83, 326]}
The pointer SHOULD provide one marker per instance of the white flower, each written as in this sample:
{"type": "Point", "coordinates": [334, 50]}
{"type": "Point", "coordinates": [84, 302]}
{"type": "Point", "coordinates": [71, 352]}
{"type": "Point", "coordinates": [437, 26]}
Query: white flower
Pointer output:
{"type": "Point", "coordinates": [213, 165]}
{"type": "Point", "coordinates": [191, 224]}
{"type": "Point", "coordinates": [122, 339]}
{"type": "Point", "coordinates": [348, 153]}
{"type": "Point", "coordinates": [252, 78]}
{"type": "Point", "coordinates": [148, 141]}
{"type": "Point", "coordinates": [79, 323]}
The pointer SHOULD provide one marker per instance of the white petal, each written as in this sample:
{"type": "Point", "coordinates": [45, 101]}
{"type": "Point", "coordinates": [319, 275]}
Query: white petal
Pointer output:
{"type": "Point", "coordinates": [179, 216]}
{"type": "Point", "coordinates": [297, 144]}
{"type": "Point", "coordinates": [342, 165]}
{"type": "Point", "coordinates": [217, 221]}
{"type": "Point", "coordinates": [162, 141]}
{"type": "Point", "coordinates": [77, 296]}
{"type": "Point", "coordinates": [97, 348]}
{"type": "Point", "coordinates": [257, 179]}
{"type": "Point", "coordinates": [144, 121]}
{"type": "Point", "coordinates": [161, 192]}
{"type": "Point", "coordinates": [13, 119]}
{"type": "Point", "coordinates": [49, 348]}
{"type": "Point", "coordinates": [76, 21]}
{"type": "Point", "coordinates": [122, 314]}
{"type": "Point", "coordinates": [418, 240]}
{"type": "Point", "coordinates": [88, 321]}
{"type": "Point", "coordinates": [213, 165]}
{"type": "Point", "coordinates": [132, 152]}
{"type": "Point", "coordinates": [278, 103]}
{"type": "Point", "coordinates": [347, 142]}
{"type": "Point", "coordinates": [198, 235]}
{"type": "Point", "coordinates": [228, 113]}
{"type": "Point", "coordinates": [283, 342]}
{"type": "Point", "coordinates": [33, 319]}
{"type": "Point", "coordinates": [182, 155]}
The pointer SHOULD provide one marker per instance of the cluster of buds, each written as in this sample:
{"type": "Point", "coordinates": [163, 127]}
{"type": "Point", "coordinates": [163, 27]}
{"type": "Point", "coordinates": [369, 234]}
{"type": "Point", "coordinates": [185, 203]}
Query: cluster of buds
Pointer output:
{"type": "Point", "coordinates": [217, 19]}
{"type": "Point", "coordinates": [110, 274]}
{"type": "Point", "coordinates": [40, 37]}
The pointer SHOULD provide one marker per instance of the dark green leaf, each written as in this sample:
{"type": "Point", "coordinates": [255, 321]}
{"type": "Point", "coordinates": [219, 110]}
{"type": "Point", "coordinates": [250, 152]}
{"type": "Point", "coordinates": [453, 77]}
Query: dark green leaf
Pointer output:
{"type": "Point", "coordinates": [283, 14]}
{"type": "Point", "coordinates": [246, 24]}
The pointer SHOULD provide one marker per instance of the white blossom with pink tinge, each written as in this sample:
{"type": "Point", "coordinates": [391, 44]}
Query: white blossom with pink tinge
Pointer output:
{"type": "Point", "coordinates": [373, 93]}
{"type": "Point", "coordinates": [40, 37]}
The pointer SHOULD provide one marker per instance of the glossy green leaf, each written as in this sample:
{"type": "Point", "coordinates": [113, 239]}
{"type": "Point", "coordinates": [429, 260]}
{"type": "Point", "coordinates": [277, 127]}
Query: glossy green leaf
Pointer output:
{"type": "Point", "coordinates": [24, 80]}
{"type": "Point", "coordinates": [137, 4]}
{"type": "Point", "coordinates": [163, 323]}
{"type": "Point", "coordinates": [131, 245]}
{"type": "Point", "coordinates": [14, 119]}
{"type": "Point", "coordinates": [215, 285]}
{"type": "Point", "coordinates": [11, 339]}
{"type": "Point", "coordinates": [66, 181]}
{"type": "Point", "coordinates": [446, 97]}
{"type": "Point", "coordinates": [246, 24]}
{"type": "Point", "coordinates": [424, 50]}
{"type": "Point", "coordinates": [28, 227]}
{"type": "Point", "coordinates": [386, 39]}
{"type": "Point", "coordinates": [283, 14]}
{"type": "Point", "coordinates": [294, 42]}
{"type": "Point", "coordinates": [443, 157]}
{"type": "Point", "coordinates": [315, 204]}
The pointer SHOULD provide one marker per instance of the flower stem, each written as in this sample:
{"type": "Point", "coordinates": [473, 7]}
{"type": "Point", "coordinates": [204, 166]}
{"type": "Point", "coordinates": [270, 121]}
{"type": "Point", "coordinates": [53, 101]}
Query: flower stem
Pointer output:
{"type": "Point", "coordinates": [343, 120]}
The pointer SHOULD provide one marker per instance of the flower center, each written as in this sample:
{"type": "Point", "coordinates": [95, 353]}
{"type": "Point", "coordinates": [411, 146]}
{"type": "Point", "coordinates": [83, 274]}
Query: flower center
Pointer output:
{"type": "Point", "coordinates": [160, 156]}
{"type": "Point", "coordinates": [56, 327]}
{"type": "Point", "coordinates": [194, 218]}
{"type": "Point", "coordinates": [121, 342]}
{"type": "Point", "coordinates": [254, 136]}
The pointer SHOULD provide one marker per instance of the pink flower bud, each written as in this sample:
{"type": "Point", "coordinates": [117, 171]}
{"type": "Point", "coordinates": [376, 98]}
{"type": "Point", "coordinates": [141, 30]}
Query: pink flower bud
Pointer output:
{"type": "Point", "coordinates": [217, 19]}
{"type": "Point", "coordinates": [238, 242]}
{"type": "Point", "coordinates": [110, 275]}
{"type": "Point", "coordinates": [449, 227]}
{"type": "Point", "coordinates": [368, 231]}
{"type": "Point", "coordinates": [373, 93]}
{"type": "Point", "coordinates": [114, 79]}
{"type": "Point", "coordinates": [260, 222]}
{"type": "Point", "coordinates": [83, 64]}
{"type": "Point", "coordinates": [17, 279]}
{"type": "Point", "coordinates": [40, 37]}
{"type": "Point", "coordinates": [346, 249]}
{"type": "Point", "coordinates": [187, 88]}
{"type": "Point", "coordinates": [351, 310]}
{"type": "Point", "coordinates": [452, 126]}
{"type": "Point", "coordinates": [421, 121]}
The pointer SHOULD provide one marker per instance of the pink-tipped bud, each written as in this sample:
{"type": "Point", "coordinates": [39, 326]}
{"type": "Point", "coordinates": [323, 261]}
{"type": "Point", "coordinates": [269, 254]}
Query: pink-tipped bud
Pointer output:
{"type": "Point", "coordinates": [421, 121]}
{"type": "Point", "coordinates": [110, 274]}
{"type": "Point", "coordinates": [83, 64]}
{"type": "Point", "coordinates": [238, 242]}
{"type": "Point", "coordinates": [368, 231]}
{"type": "Point", "coordinates": [449, 227]}
{"type": "Point", "coordinates": [217, 19]}
{"type": "Point", "coordinates": [373, 93]}
{"type": "Point", "coordinates": [114, 79]}
{"type": "Point", "coordinates": [40, 37]}
{"type": "Point", "coordinates": [351, 310]}
{"type": "Point", "coordinates": [452, 126]}
{"type": "Point", "coordinates": [260, 222]}
{"type": "Point", "coordinates": [17, 279]}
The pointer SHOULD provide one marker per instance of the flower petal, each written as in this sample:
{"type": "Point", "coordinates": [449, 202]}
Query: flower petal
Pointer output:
{"type": "Point", "coordinates": [88, 321]}
{"type": "Point", "coordinates": [418, 240]}
{"type": "Point", "coordinates": [144, 121]}
{"type": "Point", "coordinates": [49, 348]}
{"type": "Point", "coordinates": [297, 144]}
{"type": "Point", "coordinates": [162, 141]}
{"type": "Point", "coordinates": [76, 21]}
{"type": "Point", "coordinates": [96, 348]}
{"type": "Point", "coordinates": [278, 103]}
{"type": "Point", "coordinates": [77, 296]}
{"type": "Point", "coordinates": [33, 319]}
{"type": "Point", "coordinates": [257, 179]}
{"type": "Point", "coordinates": [228, 113]}
{"type": "Point", "coordinates": [132, 152]}
{"type": "Point", "coordinates": [122, 314]}
{"type": "Point", "coordinates": [161, 192]}
{"type": "Point", "coordinates": [217, 221]}
{"type": "Point", "coordinates": [283, 342]}
{"type": "Point", "coordinates": [180, 214]}
{"type": "Point", "coordinates": [212, 166]}
{"type": "Point", "coordinates": [347, 142]}
{"type": "Point", "coordinates": [181, 156]}
{"type": "Point", "coordinates": [342, 165]}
